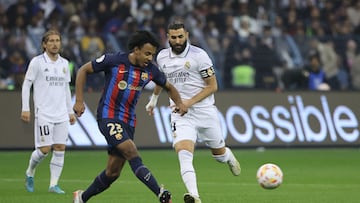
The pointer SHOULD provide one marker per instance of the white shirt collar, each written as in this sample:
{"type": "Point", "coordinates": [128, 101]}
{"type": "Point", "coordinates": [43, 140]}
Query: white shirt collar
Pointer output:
{"type": "Point", "coordinates": [48, 59]}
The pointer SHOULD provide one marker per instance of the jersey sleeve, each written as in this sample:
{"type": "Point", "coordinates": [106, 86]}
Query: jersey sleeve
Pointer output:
{"type": "Point", "coordinates": [103, 62]}
{"type": "Point", "coordinates": [32, 70]}
{"type": "Point", "coordinates": [158, 77]}
{"type": "Point", "coordinates": [28, 81]}
{"type": "Point", "coordinates": [206, 68]}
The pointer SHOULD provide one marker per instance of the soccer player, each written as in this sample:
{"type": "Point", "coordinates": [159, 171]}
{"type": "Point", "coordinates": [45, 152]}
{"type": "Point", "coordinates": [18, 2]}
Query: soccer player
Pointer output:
{"type": "Point", "coordinates": [191, 71]}
{"type": "Point", "coordinates": [126, 74]}
{"type": "Point", "coordinates": [49, 75]}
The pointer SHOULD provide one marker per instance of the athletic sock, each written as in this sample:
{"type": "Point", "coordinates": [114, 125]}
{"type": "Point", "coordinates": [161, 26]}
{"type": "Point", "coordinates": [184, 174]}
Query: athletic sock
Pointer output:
{"type": "Point", "coordinates": [223, 158]}
{"type": "Point", "coordinates": [36, 157]}
{"type": "Point", "coordinates": [144, 175]}
{"type": "Point", "coordinates": [187, 171]}
{"type": "Point", "coordinates": [100, 183]}
{"type": "Point", "coordinates": [56, 166]}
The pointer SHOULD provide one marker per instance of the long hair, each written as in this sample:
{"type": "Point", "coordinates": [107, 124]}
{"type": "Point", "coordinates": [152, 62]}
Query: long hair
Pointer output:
{"type": "Point", "coordinates": [46, 35]}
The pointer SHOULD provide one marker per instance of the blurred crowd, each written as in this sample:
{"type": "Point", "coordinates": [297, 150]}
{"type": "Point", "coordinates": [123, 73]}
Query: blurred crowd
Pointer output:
{"type": "Point", "coordinates": [255, 44]}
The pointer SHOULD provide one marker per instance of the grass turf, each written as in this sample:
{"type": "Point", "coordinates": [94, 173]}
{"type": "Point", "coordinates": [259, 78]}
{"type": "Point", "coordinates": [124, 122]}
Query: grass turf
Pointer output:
{"type": "Point", "coordinates": [310, 175]}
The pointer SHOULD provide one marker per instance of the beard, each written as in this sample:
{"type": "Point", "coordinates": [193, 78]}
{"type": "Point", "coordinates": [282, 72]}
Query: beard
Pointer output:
{"type": "Point", "coordinates": [178, 48]}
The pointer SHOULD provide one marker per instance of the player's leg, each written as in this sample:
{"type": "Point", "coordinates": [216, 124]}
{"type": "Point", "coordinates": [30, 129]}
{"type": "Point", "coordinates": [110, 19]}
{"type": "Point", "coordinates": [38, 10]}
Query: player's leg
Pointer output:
{"type": "Point", "coordinates": [185, 151]}
{"type": "Point", "coordinates": [129, 151]}
{"type": "Point", "coordinates": [103, 180]}
{"type": "Point", "coordinates": [42, 148]}
{"type": "Point", "coordinates": [185, 136]}
{"type": "Point", "coordinates": [59, 136]}
{"type": "Point", "coordinates": [213, 137]}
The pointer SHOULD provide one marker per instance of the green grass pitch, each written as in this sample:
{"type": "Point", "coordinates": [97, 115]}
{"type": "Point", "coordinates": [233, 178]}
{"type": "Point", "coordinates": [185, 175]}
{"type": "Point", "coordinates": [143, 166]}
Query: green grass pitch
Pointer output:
{"type": "Point", "coordinates": [310, 176]}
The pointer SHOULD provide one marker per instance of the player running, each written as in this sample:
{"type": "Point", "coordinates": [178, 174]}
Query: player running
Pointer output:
{"type": "Point", "coordinates": [126, 74]}
{"type": "Point", "coordinates": [191, 71]}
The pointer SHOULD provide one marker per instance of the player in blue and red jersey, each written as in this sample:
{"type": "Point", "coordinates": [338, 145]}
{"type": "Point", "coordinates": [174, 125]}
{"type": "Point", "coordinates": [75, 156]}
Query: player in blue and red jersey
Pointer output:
{"type": "Point", "coordinates": [126, 74]}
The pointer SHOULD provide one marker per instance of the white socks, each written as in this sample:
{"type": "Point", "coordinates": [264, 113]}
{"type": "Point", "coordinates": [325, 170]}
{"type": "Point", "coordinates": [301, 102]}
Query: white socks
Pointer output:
{"type": "Point", "coordinates": [36, 157]}
{"type": "Point", "coordinates": [56, 166]}
{"type": "Point", "coordinates": [228, 155]}
{"type": "Point", "coordinates": [188, 172]}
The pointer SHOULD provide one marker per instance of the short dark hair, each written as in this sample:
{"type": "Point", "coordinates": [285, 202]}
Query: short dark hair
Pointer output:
{"type": "Point", "coordinates": [176, 24]}
{"type": "Point", "coordinates": [142, 37]}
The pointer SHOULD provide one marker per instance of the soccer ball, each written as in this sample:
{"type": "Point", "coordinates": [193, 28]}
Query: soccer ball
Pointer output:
{"type": "Point", "coordinates": [269, 176]}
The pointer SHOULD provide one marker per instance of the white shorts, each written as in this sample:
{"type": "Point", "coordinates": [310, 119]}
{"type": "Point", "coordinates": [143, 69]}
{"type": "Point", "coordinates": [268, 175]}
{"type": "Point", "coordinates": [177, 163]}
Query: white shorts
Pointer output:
{"type": "Point", "coordinates": [198, 124]}
{"type": "Point", "coordinates": [47, 133]}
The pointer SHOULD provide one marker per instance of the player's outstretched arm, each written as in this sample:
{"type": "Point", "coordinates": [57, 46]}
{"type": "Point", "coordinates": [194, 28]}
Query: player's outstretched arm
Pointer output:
{"type": "Point", "coordinates": [81, 75]}
{"type": "Point", "coordinates": [175, 96]}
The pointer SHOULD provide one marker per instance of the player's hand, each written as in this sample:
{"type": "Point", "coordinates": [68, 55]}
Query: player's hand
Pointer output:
{"type": "Point", "coordinates": [25, 116]}
{"type": "Point", "coordinates": [79, 108]}
{"type": "Point", "coordinates": [180, 109]}
{"type": "Point", "coordinates": [151, 104]}
{"type": "Point", "coordinates": [72, 119]}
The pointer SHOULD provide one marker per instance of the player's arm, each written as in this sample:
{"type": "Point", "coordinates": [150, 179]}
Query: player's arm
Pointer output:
{"type": "Point", "coordinates": [80, 81]}
{"type": "Point", "coordinates": [210, 88]}
{"type": "Point", "coordinates": [153, 100]}
{"type": "Point", "coordinates": [25, 98]}
{"type": "Point", "coordinates": [30, 76]}
{"type": "Point", "coordinates": [175, 96]}
{"type": "Point", "coordinates": [72, 117]}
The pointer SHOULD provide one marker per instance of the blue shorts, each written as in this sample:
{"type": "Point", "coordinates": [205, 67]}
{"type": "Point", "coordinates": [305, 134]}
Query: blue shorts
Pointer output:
{"type": "Point", "coordinates": [115, 133]}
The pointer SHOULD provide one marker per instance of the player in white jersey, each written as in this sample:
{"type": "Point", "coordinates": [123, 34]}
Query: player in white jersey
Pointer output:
{"type": "Point", "coordinates": [190, 70]}
{"type": "Point", "coordinates": [49, 75]}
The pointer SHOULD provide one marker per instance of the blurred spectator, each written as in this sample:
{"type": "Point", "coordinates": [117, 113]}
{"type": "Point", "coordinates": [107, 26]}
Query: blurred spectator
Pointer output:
{"type": "Point", "coordinates": [92, 46]}
{"type": "Point", "coordinates": [15, 65]}
{"type": "Point", "coordinates": [316, 75]}
{"type": "Point", "coordinates": [353, 63]}
{"type": "Point", "coordinates": [265, 59]}
{"type": "Point", "coordinates": [242, 73]}
{"type": "Point", "coordinates": [329, 60]}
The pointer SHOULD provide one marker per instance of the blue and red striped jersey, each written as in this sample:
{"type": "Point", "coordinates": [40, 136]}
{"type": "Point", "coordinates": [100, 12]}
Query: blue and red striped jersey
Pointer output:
{"type": "Point", "coordinates": [124, 83]}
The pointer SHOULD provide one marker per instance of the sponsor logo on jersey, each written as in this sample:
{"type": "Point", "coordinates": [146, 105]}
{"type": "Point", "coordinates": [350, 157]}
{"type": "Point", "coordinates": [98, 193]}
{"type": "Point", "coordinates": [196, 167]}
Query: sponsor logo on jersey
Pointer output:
{"type": "Point", "coordinates": [122, 85]}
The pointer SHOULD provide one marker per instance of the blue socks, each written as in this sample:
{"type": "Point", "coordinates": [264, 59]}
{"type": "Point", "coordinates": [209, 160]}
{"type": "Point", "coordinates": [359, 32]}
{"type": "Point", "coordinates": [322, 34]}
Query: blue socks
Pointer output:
{"type": "Point", "coordinates": [144, 175]}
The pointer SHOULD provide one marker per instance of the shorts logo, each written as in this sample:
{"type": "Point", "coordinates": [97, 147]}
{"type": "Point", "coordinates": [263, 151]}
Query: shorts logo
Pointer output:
{"type": "Point", "coordinates": [118, 136]}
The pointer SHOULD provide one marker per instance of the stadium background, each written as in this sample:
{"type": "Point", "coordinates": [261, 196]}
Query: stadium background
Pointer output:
{"type": "Point", "coordinates": [266, 38]}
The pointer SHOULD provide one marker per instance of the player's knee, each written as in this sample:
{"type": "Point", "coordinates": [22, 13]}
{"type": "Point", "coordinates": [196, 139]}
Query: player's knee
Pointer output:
{"type": "Point", "coordinates": [45, 150]}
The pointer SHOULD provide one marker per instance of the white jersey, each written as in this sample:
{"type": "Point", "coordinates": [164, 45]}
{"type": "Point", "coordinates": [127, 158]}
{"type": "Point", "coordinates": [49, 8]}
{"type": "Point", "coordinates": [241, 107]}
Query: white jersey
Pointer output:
{"type": "Point", "coordinates": [185, 71]}
{"type": "Point", "coordinates": [50, 81]}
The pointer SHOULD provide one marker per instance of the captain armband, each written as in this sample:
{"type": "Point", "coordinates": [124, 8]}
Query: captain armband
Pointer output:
{"type": "Point", "coordinates": [207, 73]}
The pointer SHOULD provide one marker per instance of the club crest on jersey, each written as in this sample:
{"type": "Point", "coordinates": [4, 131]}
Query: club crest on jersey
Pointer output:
{"type": "Point", "coordinates": [187, 65]}
{"type": "Point", "coordinates": [122, 85]}
{"type": "Point", "coordinates": [100, 59]}
{"type": "Point", "coordinates": [144, 76]}
{"type": "Point", "coordinates": [64, 70]}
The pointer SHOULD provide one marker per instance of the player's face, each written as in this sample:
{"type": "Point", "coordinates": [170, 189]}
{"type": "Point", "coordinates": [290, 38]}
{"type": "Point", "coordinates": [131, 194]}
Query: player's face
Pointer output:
{"type": "Point", "coordinates": [144, 55]}
{"type": "Point", "coordinates": [53, 44]}
{"type": "Point", "coordinates": [177, 40]}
